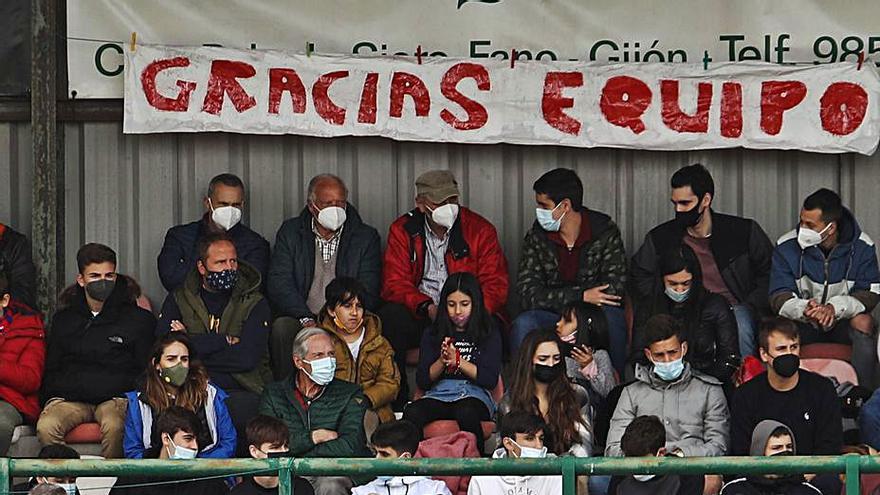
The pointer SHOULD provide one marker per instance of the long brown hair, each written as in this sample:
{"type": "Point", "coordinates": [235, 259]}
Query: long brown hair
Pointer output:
{"type": "Point", "coordinates": [564, 412]}
{"type": "Point", "coordinates": [192, 395]}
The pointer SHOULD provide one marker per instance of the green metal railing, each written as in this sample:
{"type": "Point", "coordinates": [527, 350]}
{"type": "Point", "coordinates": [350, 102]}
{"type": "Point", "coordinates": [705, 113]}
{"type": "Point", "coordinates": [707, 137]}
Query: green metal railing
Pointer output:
{"type": "Point", "coordinates": [568, 467]}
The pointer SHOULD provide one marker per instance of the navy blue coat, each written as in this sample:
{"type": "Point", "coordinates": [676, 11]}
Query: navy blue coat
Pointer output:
{"type": "Point", "coordinates": [180, 251]}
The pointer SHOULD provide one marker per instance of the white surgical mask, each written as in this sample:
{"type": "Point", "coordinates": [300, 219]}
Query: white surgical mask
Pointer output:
{"type": "Point", "coordinates": [530, 452]}
{"type": "Point", "coordinates": [676, 296]}
{"type": "Point", "coordinates": [70, 488]}
{"type": "Point", "coordinates": [445, 215]}
{"type": "Point", "coordinates": [180, 452]}
{"type": "Point", "coordinates": [809, 237]}
{"type": "Point", "coordinates": [323, 370]}
{"type": "Point", "coordinates": [225, 216]}
{"type": "Point", "coordinates": [546, 220]}
{"type": "Point", "coordinates": [331, 218]}
{"type": "Point", "coordinates": [644, 477]}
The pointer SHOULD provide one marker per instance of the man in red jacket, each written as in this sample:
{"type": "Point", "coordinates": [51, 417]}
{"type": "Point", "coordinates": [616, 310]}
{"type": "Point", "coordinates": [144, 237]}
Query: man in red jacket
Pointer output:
{"type": "Point", "coordinates": [22, 353]}
{"type": "Point", "coordinates": [437, 238]}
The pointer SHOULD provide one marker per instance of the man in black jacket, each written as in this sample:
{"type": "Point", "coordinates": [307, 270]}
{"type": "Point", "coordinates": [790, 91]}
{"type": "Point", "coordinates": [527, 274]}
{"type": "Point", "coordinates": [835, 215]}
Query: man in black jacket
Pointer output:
{"type": "Point", "coordinates": [223, 211]}
{"type": "Point", "coordinates": [734, 252]}
{"type": "Point", "coordinates": [98, 344]}
{"type": "Point", "coordinates": [327, 240]}
{"type": "Point", "coordinates": [18, 266]}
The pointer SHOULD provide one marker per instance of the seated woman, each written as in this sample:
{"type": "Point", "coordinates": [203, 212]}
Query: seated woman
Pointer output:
{"type": "Point", "coordinates": [363, 356]}
{"type": "Point", "coordinates": [22, 355]}
{"type": "Point", "coordinates": [172, 379]}
{"type": "Point", "coordinates": [584, 334]}
{"type": "Point", "coordinates": [710, 327]}
{"type": "Point", "coordinates": [540, 386]}
{"type": "Point", "coordinates": [459, 361]}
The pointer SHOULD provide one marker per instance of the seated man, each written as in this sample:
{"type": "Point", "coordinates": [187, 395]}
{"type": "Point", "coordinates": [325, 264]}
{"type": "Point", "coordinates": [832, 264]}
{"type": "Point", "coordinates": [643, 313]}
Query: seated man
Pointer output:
{"type": "Point", "coordinates": [223, 209]}
{"type": "Point", "coordinates": [692, 404]}
{"type": "Point", "coordinates": [17, 265]}
{"type": "Point", "coordinates": [399, 440]}
{"type": "Point", "coordinates": [325, 415]}
{"type": "Point", "coordinates": [66, 483]}
{"type": "Point", "coordinates": [804, 401]}
{"type": "Point", "coordinates": [645, 436]}
{"type": "Point", "coordinates": [733, 252]}
{"type": "Point", "coordinates": [176, 433]}
{"type": "Point", "coordinates": [522, 436]}
{"type": "Point", "coordinates": [570, 254]}
{"type": "Point", "coordinates": [772, 438]}
{"type": "Point", "coordinates": [267, 438]}
{"type": "Point", "coordinates": [825, 277]}
{"type": "Point", "coordinates": [327, 240]}
{"type": "Point", "coordinates": [227, 320]}
{"type": "Point", "coordinates": [425, 245]}
{"type": "Point", "coordinates": [97, 347]}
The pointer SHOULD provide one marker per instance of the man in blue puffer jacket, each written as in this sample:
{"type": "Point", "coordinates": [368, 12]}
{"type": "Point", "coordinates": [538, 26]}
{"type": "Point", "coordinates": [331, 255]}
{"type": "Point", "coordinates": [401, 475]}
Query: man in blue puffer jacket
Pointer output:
{"type": "Point", "coordinates": [825, 277]}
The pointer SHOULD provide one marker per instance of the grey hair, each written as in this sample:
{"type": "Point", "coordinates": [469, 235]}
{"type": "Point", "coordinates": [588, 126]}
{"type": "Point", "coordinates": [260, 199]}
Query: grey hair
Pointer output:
{"type": "Point", "coordinates": [300, 347]}
{"type": "Point", "coordinates": [310, 193]}
{"type": "Point", "coordinates": [47, 489]}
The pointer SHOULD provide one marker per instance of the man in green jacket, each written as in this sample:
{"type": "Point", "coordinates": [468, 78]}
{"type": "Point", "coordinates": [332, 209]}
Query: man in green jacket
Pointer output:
{"type": "Point", "coordinates": [325, 416]}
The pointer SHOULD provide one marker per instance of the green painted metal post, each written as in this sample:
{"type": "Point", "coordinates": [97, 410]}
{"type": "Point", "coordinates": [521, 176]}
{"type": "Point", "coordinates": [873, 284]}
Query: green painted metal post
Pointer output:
{"type": "Point", "coordinates": [852, 475]}
{"type": "Point", "coordinates": [4, 475]}
{"type": "Point", "coordinates": [569, 480]}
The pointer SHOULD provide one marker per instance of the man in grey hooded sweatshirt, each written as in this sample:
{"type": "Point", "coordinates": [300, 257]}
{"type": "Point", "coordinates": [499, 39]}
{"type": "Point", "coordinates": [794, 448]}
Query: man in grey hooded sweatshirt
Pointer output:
{"type": "Point", "coordinates": [772, 438]}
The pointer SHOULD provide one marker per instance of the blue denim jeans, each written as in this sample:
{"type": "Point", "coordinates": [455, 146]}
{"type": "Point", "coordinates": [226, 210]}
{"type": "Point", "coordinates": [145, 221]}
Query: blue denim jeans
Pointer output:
{"type": "Point", "coordinates": [745, 327]}
{"type": "Point", "coordinates": [527, 321]}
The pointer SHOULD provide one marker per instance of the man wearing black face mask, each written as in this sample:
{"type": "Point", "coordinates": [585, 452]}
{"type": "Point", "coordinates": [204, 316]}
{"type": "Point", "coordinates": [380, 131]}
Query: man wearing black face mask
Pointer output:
{"type": "Point", "coordinates": [226, 318]}
{"type": "Point", "coordinates": [97, 346]}
{"type": "Point", "coordinates": [734, 253]}
{"type": "Point", "coordinates": [804, 401]}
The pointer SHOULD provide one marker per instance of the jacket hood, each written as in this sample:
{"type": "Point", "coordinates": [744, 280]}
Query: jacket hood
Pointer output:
{"type": "Point", "coordinates": [599, 223]}
{"type": "Point", "coordinates": [74, 297]}
{"type": "Point", "coordinates": [372, 332]}
{"type": "Point", "coordinates": [761, 435]}
{"type": "Point", "coordinates": [249, 280]}
{"type": "Point", "coordinates": [848, 230]}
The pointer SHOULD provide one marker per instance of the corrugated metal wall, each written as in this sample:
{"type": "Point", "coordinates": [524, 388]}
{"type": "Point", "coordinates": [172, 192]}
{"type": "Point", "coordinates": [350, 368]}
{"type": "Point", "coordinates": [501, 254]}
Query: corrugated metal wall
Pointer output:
{"type": "Point", "coordinates": [126, 191]}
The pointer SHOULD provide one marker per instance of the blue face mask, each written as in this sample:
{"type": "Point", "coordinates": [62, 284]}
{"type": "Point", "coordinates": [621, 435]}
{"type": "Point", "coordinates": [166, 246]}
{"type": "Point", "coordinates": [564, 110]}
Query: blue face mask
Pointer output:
{"type": "Point", "coordinates": [546, 220]}
{"type": "Point", "coordinates": [385, 478]}
{"type": "Point", "coordinates": [669, 371]}
{"type": "Point", "coordinates": [676, 296]}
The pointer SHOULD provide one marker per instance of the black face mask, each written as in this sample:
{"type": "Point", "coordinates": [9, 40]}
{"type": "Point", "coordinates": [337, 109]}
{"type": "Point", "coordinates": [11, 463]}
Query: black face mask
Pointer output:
{"type": "Point", "coordinates": [277, 455]}
{"type": "Point", "coordinates": [782, 452]}
{"type": "Point", "coordinates": [786, 365]}
{"type": "Point", "coordinates": [546, 374]}
{"type": "Point", "coordinates": [100, 290]}
{"type": "Point", "coordinates": [689, 218]}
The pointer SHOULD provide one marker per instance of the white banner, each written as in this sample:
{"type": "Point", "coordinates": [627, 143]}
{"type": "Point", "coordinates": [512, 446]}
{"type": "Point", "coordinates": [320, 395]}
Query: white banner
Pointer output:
{"type": "Point", "coordinates": [610, 31]}
{"type": "Point", "coordinates": [824, 108]}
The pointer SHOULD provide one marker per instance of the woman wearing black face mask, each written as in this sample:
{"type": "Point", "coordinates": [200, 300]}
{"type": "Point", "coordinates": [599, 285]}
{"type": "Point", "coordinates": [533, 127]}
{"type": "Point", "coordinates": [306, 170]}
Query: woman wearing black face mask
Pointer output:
{"type": "Point", "coordinates": [540, 385]}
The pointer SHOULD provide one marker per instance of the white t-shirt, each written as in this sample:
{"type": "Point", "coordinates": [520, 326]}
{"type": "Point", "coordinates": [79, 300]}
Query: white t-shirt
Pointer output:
{"type": "Point", "coordinates": [355, 347]}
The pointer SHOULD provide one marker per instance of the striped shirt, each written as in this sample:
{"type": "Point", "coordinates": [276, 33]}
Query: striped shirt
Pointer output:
{"type": "Point", "coordinates": [435, 264]}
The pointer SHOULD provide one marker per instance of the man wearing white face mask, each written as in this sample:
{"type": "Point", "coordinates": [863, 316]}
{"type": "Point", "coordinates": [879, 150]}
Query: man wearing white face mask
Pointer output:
{"type": "Point", "coordinates": [825, 277]}
{"type": "Point", "coordinates": [691, 404]}
{"type": "Point", "coordinates": [327, 240]}
{"type": "Point", "coordinates": [325, 416]}
{"type": "Point", "coordinates": [646, 437]}
{"type": "Point", "coordinates": [175, 434]}
{"type": "Point", "coordinates": [223, 205]}
{"type": "Point", "coordinates": [425, 245]}
{"type": "Point", "coordinates": [522, 437]}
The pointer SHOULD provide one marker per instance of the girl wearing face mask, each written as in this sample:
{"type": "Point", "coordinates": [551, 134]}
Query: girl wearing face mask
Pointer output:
{"type": "Point", "coordinates": [459, 360]}
{"type": "Point", "coordinates": [363, 355]}
{"type": "Point", "coordinates": [583, 331]}
{"type": "Point", "coordinates": [541, 386]}
{"type": "Point", "coordinates": [709, 324]}
{"type": "Point", "coordinates": [173, 379]}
